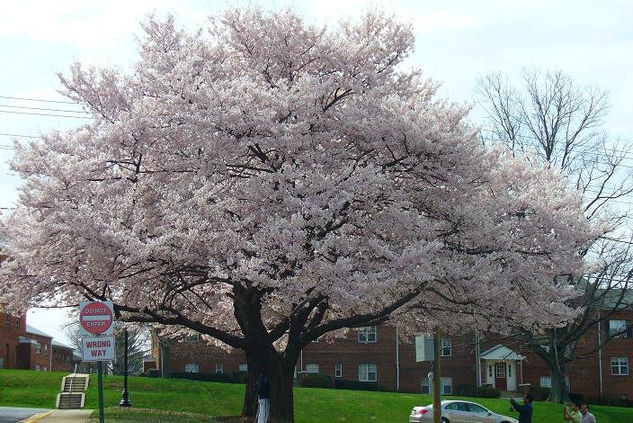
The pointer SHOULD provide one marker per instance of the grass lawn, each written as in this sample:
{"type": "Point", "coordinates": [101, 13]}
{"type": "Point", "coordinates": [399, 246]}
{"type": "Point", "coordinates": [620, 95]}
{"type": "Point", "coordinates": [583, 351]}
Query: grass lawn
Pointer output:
{"type": "Point", "coordinates": [184, 401]}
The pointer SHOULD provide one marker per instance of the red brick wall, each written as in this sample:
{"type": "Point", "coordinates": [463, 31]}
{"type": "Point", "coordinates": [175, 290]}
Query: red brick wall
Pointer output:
{"type": "Point", "coordinates": [32, 357]}
{"type": "Point", "coordinates": [62, 359]}
{"type": "Point", "coordinates": [11, 327]}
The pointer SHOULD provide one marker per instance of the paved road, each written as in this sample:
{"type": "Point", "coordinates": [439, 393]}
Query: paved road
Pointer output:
{"type": "Point", "coordinates": [14, 414]}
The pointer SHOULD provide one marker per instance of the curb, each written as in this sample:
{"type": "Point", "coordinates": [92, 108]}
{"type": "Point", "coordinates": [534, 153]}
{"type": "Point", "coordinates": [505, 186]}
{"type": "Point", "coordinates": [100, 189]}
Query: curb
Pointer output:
{"type": "Point", "coordinates": [36, 418]}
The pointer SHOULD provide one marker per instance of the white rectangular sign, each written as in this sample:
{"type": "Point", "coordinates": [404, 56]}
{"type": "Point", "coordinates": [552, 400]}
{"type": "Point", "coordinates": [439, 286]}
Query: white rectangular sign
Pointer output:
{"type": "Point", "coordinates": [98, 348]}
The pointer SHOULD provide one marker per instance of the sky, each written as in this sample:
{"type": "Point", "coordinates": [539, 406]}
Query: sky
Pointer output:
{"type": "Point", "coordinates": [457, 41]}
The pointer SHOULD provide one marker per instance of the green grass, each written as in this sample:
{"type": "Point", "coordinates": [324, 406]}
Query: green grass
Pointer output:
{"type": "Point", "coordinates": [184, 401]}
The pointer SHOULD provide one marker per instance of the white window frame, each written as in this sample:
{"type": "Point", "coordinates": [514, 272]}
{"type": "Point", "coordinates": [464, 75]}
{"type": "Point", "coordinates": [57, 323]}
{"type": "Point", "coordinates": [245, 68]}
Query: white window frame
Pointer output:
{"type": "Point", "coordinates": [242, 367]}
{"type": "Point", "coordinates": [367, 372]}
{"type": "Point", "coordinates": [368, 335]}
{"type": "Point", "coordinates": [446, 382]}
{"type": "Point", "coordinates": [312, 368]}
{"type": "Point", "coordinates": [618, 328]}
{"type": "Point", "coordinates": [338, 370]}
{"type": "Point", "coordinates": [38, 348]}
{"type": "Point", "coordinates": [425, 386]}
{"type": "Point", "coordinates": [37, 367]}
{"type": "Point", "coordinates": [545, 382]}
{"type": "Point", "coordinates": [446, 347]}
{"type": "Point", "coordinates": [192, 368]}
{"type": "Point", "coordinates": [619, 366]}
{"type": "Point", "coordinates": [219, 368]}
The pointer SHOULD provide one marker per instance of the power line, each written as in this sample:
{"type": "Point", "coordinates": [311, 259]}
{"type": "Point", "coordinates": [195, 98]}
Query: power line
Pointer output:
{"type": "Point", "coordinates": [18, 135]}
{"type": "Point", "coordinates": [37, 99]}
{"type": "Point", "coordinates": [43, 108]}
{"type": "Point", "coordinates": [44, 114]}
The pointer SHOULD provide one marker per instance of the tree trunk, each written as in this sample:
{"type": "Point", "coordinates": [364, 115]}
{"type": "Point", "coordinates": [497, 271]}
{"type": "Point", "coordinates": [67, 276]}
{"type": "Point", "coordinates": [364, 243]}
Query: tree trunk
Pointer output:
{"type": "Point", "coordinates": [560, 388]}
{"type": "Point", "coordinates": [280, 371]}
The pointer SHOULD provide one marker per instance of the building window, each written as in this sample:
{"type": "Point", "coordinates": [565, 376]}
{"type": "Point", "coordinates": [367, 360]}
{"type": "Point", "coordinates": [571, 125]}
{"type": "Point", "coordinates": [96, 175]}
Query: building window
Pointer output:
{"type": "Point", "coordinates": [367, 335]}
{"type": "Point", "coordinates": [45, 349]}
{"type": "Point", "coordinates": [312, 368]}
{"type": "Point", "coordinates": [37, 367]}
{"type": "Point", "coordinates": [38, 348]}
{"type": "Point", "coordinates": [446, 347]}
{"type": "Point", "coordinates": [546, 381]}
{"type": "Point", "coordinates": [338, 370]}
{"type": "Point", "coordinates": [619, 366]}
{"type": "Point", "coordinates": [500, 370]}
{"type": "Point", "coordinates": [509, 370]}
{"type": "Point", "coordinates": [367, 373]}
{"type": "Point", "coordinates": [45, 368]}
{"type": "Point", "coordinates": [618, 329]}
{"type": "Point", "coordinates": [17, 322]}
{"type": "Point", "coordinates": [426, 386]}
{"type": "Point", "coordinates": [490, 371]}
{"type": "Point", "coordinates": [192, 368]}
{"type": "Point", "coordinates": [446, 384]}
{"type": "Point", "coordinates": [219, 368]}
{"type": "Point", "coordinates": [242, 367]}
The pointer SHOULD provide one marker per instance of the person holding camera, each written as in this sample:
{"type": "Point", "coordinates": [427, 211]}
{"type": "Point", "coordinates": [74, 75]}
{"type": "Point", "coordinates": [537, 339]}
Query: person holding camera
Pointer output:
{"type": "Point", "coordinates": [525, 410]}
{"type": "Point", "coordinates": [572, 415]}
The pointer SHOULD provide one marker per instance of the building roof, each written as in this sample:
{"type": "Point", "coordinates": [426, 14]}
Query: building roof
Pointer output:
{"type": "Point", "coordinates": [33, 331]}
{"type": "Point", "coordinates": [501, 352]}
{"type": "Point", "coordinates": [59, 344]}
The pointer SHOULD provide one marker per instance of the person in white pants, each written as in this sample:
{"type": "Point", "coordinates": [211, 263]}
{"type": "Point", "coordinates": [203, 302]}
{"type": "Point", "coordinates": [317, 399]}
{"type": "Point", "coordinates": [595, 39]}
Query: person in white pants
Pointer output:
{"type": "Point", "coordinates": [263, 398]}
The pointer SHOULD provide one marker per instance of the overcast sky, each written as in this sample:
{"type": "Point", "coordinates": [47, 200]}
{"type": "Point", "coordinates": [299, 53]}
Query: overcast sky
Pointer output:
{"type": "Point", "coordinates": [457, 41]}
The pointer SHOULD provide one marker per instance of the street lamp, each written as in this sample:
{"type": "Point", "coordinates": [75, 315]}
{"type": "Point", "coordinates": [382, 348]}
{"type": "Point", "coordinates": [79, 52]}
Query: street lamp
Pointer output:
{"type": "Point", "coordinates": [125, 401]}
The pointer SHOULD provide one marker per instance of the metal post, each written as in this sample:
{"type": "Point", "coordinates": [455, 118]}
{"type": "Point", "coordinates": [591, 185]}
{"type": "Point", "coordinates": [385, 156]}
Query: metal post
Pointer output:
{"type": "Point", "coordinates": [437, 371]}
{"type": "Point", "coordinates": [100, 389]}
{"type": "Point", "coordinates": [125, 402]}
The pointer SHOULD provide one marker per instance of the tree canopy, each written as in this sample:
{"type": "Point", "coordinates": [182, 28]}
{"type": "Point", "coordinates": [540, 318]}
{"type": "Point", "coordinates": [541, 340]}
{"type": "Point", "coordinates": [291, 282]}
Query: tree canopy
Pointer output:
{"type": "Point", "coordinates": [267, 181]}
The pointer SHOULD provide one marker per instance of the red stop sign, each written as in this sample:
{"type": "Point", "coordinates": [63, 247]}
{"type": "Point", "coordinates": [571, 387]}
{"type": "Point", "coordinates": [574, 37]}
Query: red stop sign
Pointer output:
{"type": "Point", "coordinates": [95, 317]}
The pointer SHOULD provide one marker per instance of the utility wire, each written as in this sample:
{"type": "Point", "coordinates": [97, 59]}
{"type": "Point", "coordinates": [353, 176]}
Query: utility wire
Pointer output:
{"type": "Point", "coordinates": [44, 114]}
{"type": "Point", "coordinates": [37, 99]}
{"type": "Point", "coordinates": [43, 108]}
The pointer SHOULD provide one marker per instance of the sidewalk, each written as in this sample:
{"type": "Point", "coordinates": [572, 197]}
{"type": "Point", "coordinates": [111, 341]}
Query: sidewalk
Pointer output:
{"type": "Point", "coordinates": [61, 416]}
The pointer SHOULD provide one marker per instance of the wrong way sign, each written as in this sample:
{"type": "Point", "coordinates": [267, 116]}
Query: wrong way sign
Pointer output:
{"type": "Point", "coordinates": [99, 348]}
{"type": "Point", "coordinates": [96, 318]}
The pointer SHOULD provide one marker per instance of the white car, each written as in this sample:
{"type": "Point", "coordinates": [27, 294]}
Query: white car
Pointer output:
{"type": "Point", "coordinates": [457, 411]}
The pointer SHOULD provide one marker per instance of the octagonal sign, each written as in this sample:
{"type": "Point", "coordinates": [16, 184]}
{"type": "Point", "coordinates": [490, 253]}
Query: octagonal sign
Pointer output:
{"type": "Point", "coordinates": [96, 317]}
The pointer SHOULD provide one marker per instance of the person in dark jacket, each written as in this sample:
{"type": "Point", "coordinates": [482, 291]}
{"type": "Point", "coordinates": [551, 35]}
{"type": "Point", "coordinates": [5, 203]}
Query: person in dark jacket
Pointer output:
{"type": "Point", "coordinates": [525, 410]}
{"type": "Point", "coordinates": [263, 398]}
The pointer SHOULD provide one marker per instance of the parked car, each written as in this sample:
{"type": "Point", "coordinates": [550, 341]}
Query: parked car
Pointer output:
{"type": "Point", "coordinates": [457, 411]}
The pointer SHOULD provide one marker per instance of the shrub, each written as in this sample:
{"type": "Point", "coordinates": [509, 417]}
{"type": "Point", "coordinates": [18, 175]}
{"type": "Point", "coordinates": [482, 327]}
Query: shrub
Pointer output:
{"type": "Point", "coordinates": [315, 380]}
{"type": "Point", "coordinates": [488, 392]}
{"type": "Point", "coordinates": [150, 373]}
{"type": "Point", "coordinates": [207, 377]}
{"type": "Point", "coordinates": [467, 390]}
{"type": "Point", "coordinates": [354, 384]}
{"type": "Point", "coordinates": [540, 394]}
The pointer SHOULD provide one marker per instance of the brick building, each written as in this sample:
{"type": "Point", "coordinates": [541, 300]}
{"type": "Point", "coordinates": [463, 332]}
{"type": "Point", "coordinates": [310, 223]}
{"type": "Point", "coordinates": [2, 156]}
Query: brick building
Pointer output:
{"type": "Point", "coordinates": [11, 328]}
{"type": "Point", "coordinates": [25, 347]}
{"type": "Point", "coordinates": [376, 355]}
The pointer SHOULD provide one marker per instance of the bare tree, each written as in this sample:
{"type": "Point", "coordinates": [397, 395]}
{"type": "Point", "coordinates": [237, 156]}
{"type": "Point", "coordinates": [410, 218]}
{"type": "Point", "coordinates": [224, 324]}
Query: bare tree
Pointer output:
{"type": "Point", "coordinates": [549, 118]}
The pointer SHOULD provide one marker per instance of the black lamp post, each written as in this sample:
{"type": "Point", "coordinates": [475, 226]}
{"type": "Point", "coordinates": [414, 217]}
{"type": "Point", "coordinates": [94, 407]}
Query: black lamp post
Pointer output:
{"type": "Point", "coordinates": [125, 402]}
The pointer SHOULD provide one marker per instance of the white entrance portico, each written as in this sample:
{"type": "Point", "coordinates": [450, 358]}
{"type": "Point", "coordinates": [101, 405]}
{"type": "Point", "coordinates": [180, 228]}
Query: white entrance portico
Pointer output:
{"type": "Point", "coordinates": [501, 366]}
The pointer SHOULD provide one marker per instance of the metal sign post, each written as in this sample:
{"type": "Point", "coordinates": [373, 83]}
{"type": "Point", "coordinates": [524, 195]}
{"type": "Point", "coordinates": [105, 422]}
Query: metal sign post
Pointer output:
{"type": "Point", "coordinates": [96, 320]}
{"type": "Point", "coordinates": [437, 372]}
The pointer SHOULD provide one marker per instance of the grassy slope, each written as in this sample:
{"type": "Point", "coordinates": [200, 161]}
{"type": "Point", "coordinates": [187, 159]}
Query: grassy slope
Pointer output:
{"type": "Point", "coordinates": [38, 389]}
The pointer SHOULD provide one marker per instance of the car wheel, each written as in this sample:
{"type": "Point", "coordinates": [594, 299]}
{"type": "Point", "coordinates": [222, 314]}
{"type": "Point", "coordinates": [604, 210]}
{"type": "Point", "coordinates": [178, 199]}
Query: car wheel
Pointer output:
{"type": "Point", "coordinates": [445, 420]}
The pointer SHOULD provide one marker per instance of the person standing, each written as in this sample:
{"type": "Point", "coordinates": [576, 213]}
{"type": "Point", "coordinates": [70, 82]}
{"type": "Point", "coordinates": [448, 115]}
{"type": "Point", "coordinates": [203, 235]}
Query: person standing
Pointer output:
{"type": "Point", "coordinates": [263, 398]}
{"type": "Point", "coordinates": [587, 417]}
{"type": "Point", "coordinates": [526, 410]}
{"type": "Point", "coordinates": [572, 415]}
